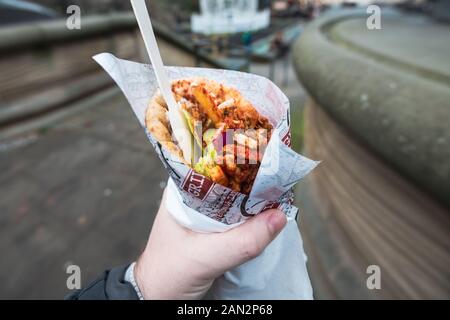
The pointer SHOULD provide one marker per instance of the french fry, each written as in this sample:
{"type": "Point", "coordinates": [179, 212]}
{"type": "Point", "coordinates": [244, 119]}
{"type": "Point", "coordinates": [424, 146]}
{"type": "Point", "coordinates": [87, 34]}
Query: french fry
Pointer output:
{"type": "Point", "coordinates": [217, 175]}
{"type": "Point", "coordinates": [206, 103]}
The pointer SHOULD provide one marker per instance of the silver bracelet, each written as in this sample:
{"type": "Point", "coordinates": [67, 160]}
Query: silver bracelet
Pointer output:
{"type": "Point", "coordinates": [129, 277]}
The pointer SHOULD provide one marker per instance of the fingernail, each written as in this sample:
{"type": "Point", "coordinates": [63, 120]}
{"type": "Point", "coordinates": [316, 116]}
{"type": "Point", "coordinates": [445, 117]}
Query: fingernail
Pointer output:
{"type": "Point", "coordinates": [276, 221]}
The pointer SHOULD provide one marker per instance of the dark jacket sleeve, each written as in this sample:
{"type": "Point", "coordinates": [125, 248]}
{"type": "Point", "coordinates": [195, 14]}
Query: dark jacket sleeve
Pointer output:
{"type": "Point", "coordinates": [109, 286]}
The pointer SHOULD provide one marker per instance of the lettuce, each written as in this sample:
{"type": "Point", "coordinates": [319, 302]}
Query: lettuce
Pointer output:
{"type": "Point", "coordinates": [191, 121]}
{"type": "Point", "coordinates": [207, 161]}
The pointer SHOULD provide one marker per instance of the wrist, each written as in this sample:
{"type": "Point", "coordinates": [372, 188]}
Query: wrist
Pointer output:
{"type": "Point", "coordinates": [130, 277]}
{"type": "Point", "coordinates": [141, 278]}
{"type": "Point", "coordinates": [157, 283]}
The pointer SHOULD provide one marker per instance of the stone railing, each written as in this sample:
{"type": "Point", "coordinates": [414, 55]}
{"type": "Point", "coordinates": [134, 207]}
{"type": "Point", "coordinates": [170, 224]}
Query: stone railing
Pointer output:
{"type": "Point", "coordinates": [47, 69]}
{"type": "Point", "coordinates": [378, 118]}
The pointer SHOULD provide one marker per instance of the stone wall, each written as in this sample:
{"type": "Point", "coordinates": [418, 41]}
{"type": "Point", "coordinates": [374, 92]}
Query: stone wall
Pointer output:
{"type": "Point", "coordinates": [46, 67]}
{"type": "Point", "coordinates": [378, 119]}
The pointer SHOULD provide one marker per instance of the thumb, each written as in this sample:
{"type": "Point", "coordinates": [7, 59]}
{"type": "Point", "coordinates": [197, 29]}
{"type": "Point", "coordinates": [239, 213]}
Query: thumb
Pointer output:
{"type": "Point", "coordinates": [247, 241]}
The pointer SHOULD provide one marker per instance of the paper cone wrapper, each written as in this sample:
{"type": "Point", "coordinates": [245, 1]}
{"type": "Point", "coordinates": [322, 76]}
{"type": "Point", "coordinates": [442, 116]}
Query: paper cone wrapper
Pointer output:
{"type": "Point", "coordinates": [205, 206]}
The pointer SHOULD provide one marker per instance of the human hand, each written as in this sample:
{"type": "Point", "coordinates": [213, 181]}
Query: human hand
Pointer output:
{"type": "Point", "coordinates": [178, 263]}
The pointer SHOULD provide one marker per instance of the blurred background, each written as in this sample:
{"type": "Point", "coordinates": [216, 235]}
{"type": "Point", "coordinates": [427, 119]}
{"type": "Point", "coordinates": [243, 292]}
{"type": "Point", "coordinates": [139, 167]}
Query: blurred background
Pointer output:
{"type": "Point", "coordinates": [370, 97]}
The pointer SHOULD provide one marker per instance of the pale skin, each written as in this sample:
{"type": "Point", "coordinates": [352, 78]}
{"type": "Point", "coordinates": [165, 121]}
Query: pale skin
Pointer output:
{"type": "Point", "coordinates": [178, 263]}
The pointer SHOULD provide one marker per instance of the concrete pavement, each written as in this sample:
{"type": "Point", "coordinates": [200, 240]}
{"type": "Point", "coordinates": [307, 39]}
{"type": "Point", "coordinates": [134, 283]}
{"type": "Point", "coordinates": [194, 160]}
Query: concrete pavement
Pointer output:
{"type": "Point", "coordinates": [84, 192]}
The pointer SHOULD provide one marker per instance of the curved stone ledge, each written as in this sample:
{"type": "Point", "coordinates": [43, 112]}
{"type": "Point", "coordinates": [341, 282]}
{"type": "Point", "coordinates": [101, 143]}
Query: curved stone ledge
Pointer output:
{"type": "Point", "coordinates": [47, 68]}
{"type": "Point", "coordinates": [44, 33]}
{"type": "Point", "coordinates": [47, 34]}
{"type": "Point", "coordinates": [391, 98]}
{"type": "Point", "coordinates": [356, 212]}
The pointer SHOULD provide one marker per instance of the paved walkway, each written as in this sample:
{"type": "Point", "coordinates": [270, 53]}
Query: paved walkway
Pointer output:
{"type": "Point", "coordinates": [82, 192]}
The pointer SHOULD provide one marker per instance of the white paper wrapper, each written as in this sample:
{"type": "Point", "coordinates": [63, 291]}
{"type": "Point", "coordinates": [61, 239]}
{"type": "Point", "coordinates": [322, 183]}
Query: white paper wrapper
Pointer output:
{"type": "Point", "coordinates": [204, 206]}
